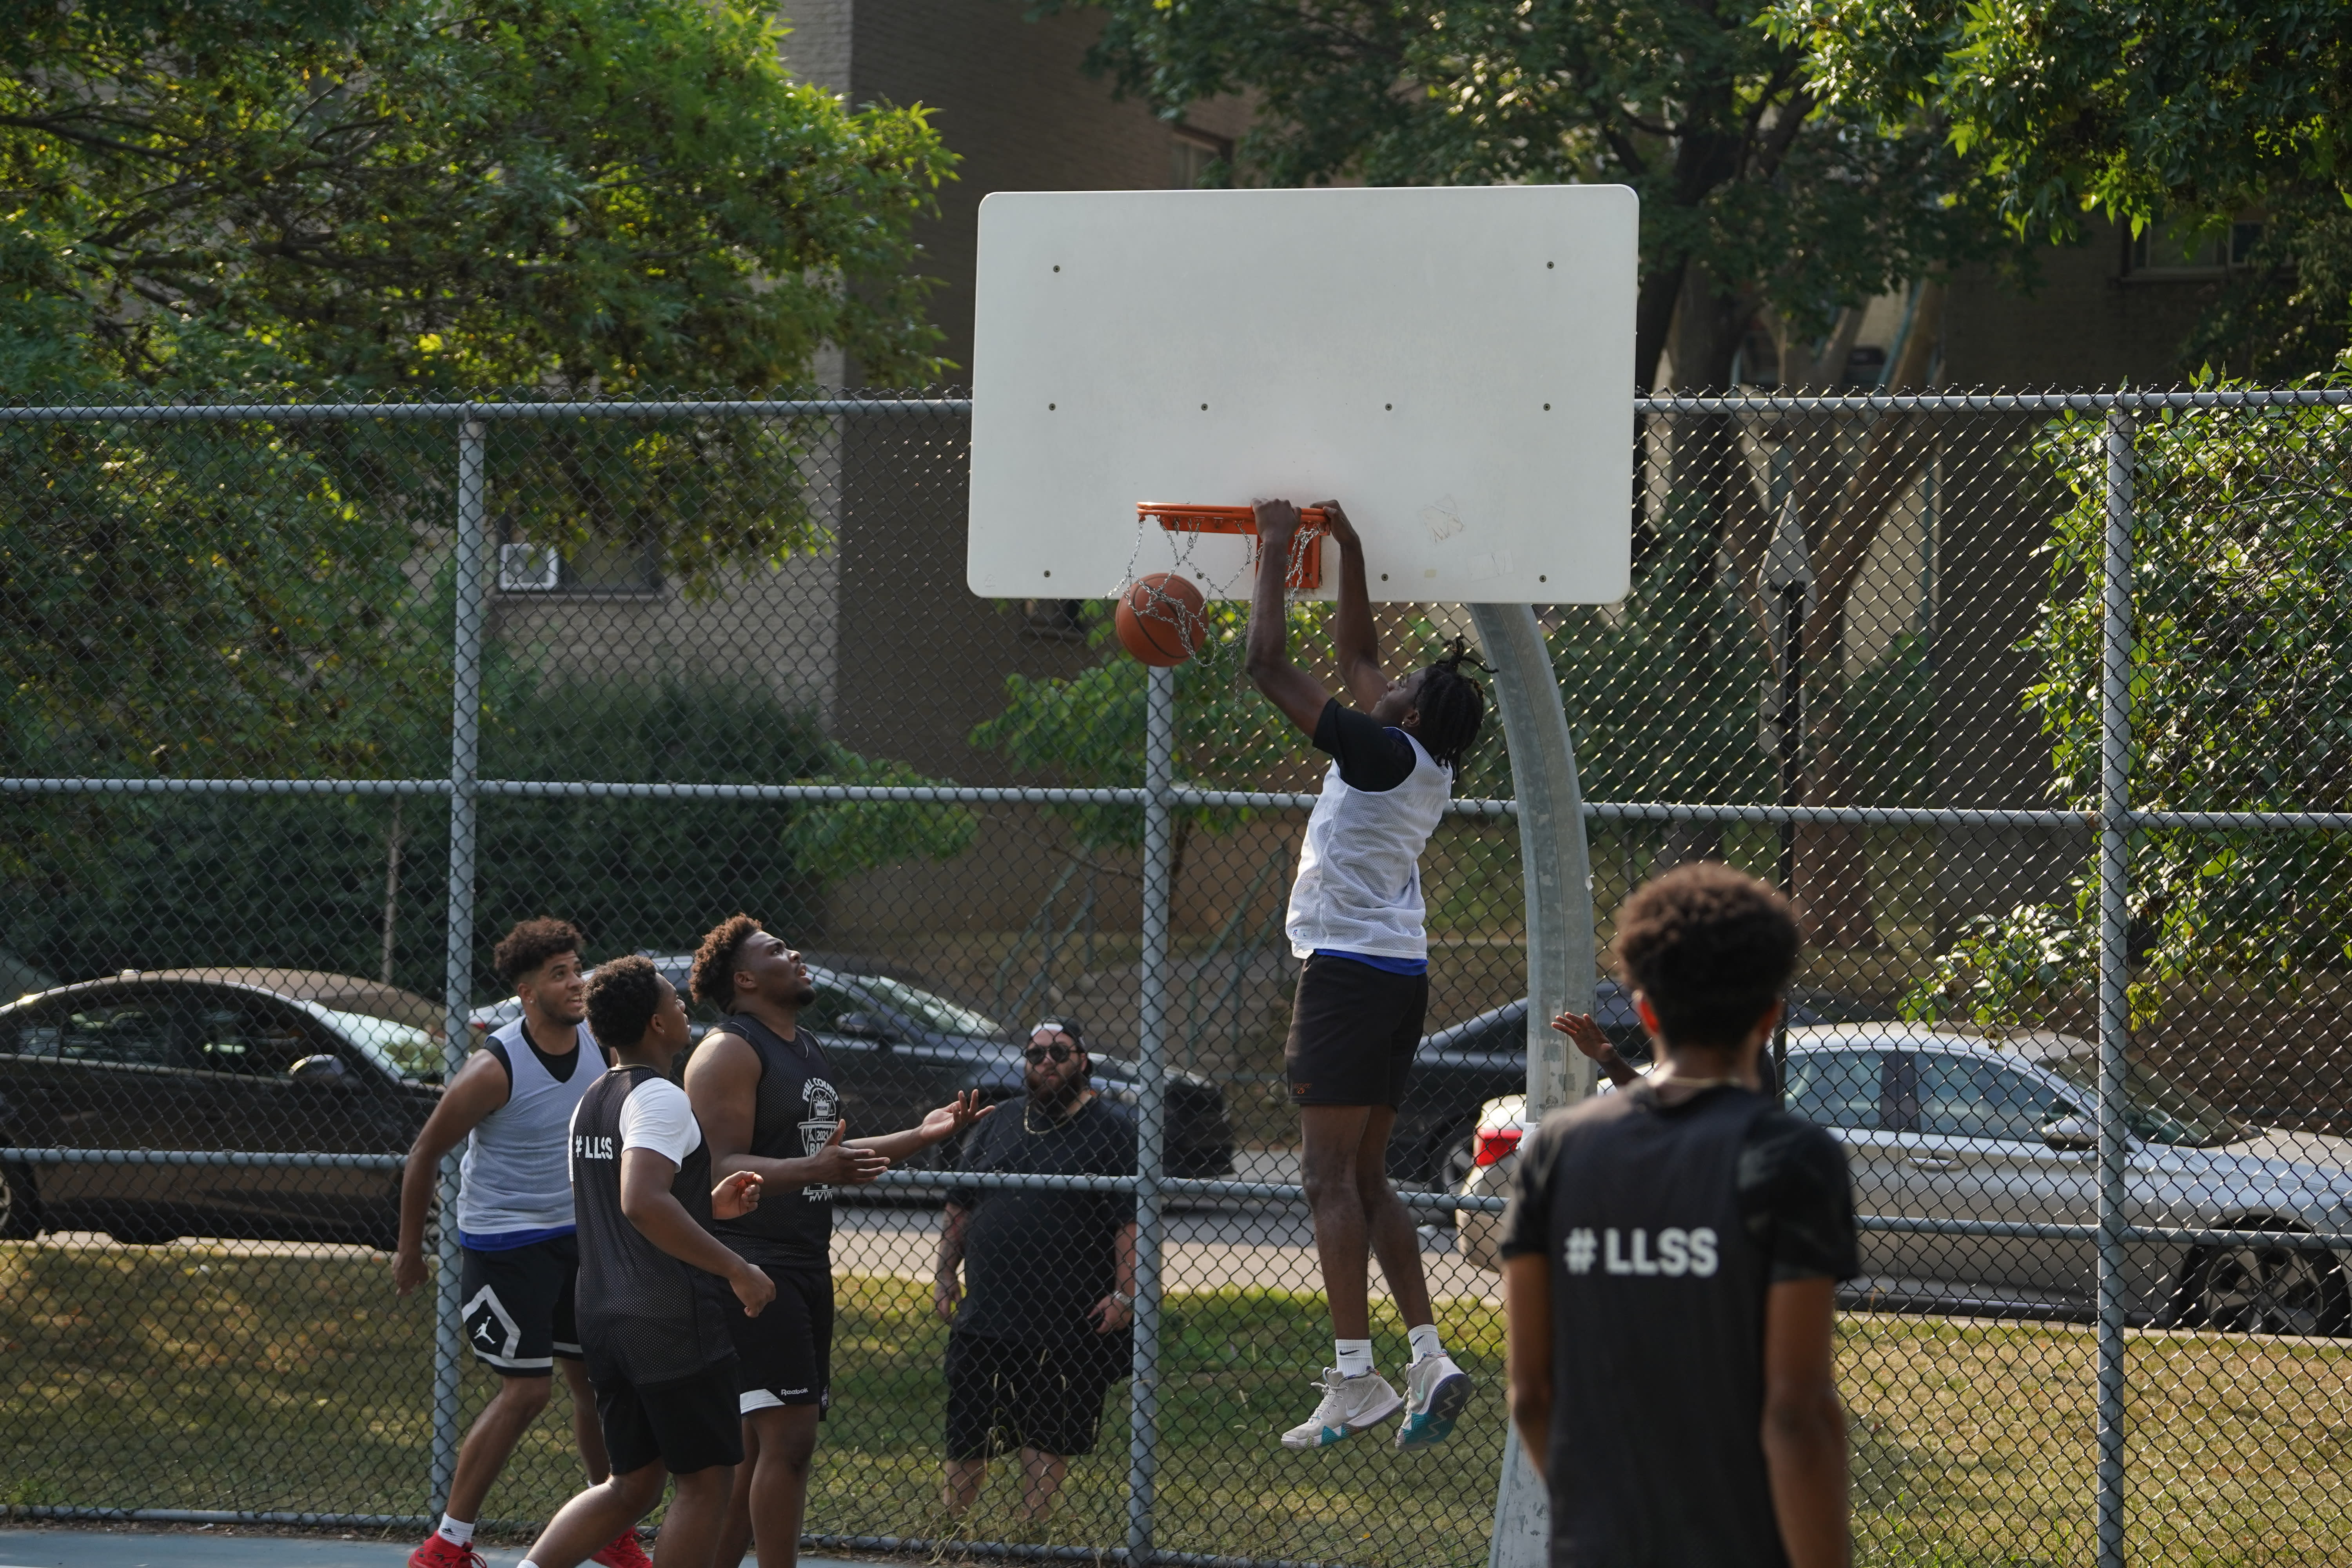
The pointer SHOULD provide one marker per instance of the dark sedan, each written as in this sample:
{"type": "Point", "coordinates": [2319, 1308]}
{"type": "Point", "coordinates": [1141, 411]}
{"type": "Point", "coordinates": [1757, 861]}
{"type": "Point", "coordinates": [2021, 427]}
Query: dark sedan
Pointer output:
{"type": "Point", "coordinates": [1460, 1068]}
{"type": "Point", "coordinates": [173, 1062]}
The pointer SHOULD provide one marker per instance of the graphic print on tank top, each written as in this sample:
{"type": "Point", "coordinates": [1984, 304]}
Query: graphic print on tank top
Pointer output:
{"type": "Point", "coordinates": [793, 1113]}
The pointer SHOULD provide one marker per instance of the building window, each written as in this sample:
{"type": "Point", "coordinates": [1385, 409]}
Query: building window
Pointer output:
{"type": "Point", "coordinates": [602, 567]}
{"type": "Point", "coordinates": [2159, 251]}
{"type": "Point", "coordinates": [1200, 161]}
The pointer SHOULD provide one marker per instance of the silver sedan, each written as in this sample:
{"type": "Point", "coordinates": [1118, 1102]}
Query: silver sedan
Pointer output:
{"type": "Point", "coordinates": [1942, 1125]}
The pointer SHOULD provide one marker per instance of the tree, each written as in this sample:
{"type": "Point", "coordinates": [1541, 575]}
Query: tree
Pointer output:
{"type": "Point", "coordinates": [1755, 197]}
{"type": "Point", "coordinates": [2240, 701]}
{"type": "Point", "coordinates": [2197, 112]}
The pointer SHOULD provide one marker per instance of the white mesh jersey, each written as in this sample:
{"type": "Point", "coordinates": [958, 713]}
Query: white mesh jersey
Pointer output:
{"type": "Point", "coordinates": [515, 1175]}
{"type": "Point", "coordinates": [1359, 884]}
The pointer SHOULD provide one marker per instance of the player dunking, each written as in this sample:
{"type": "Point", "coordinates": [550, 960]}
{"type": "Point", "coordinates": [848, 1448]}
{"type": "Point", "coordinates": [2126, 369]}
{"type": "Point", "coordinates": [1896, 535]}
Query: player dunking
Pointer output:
{"type": "Point", "coordinates": [1355, 920]}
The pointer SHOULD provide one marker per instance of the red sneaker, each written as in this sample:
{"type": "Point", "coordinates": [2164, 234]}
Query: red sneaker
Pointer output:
{"type": "Point", "coordinates": [624, 1552]}
{"type": "Point", "coordinates": [440, 1551]}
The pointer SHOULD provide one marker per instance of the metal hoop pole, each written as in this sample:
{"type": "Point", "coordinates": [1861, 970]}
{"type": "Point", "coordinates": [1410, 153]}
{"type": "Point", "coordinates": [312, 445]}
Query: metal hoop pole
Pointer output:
{"type": "Point", "coordinates": [2114, 957]}
{"type": "Point", "coordinates": [1151, 1049]}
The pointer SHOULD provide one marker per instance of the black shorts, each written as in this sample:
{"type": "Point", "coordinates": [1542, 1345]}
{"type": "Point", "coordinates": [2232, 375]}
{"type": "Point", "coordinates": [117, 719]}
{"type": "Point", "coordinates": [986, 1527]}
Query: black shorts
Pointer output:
{"type": "Point", "coordinates": [784, 1356]}
{"type": "Point", "coordinates": [1003, 1396]}
{"type": "Point", "coordinates": [688, 1423]}
{"type": "Point", "coordinates": [517, 1305]}
{"type": "Point", "coordinates": [1353, 1030]}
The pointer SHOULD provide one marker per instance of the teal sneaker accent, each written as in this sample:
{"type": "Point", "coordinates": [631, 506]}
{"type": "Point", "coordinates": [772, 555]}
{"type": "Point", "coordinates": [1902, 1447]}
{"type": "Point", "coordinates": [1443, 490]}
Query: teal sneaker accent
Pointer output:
{"type": "Point", "coordinates": [1436, 1393]}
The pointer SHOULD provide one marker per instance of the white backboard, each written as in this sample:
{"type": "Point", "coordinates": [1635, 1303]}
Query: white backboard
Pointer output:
{"type": "Point", "coordinates": [1455, 365]}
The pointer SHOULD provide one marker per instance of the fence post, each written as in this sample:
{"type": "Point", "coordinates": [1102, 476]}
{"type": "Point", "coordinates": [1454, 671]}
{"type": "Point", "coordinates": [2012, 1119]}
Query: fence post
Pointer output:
{"type": "Point", "coordinates": [457, 987]}
{"type": "Point", "coordinates": [1556, 870]}
{"type": "Point", "coordinates": [2114, 1020]}
{"type": "Point", "coordinates": [1151, 1118]}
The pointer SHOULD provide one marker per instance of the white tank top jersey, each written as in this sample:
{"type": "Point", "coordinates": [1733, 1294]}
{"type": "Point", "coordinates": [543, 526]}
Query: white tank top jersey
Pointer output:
{"type": "Point", "coordinates": [517, 1172]}
{"type": "Point", "coordinates": [1359, 886]}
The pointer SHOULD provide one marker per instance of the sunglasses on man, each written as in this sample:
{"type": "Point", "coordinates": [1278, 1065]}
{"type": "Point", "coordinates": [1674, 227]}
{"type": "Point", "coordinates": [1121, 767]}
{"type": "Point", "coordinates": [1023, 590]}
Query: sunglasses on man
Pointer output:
{"type": "Point", "coordinates": [1056, 1052]}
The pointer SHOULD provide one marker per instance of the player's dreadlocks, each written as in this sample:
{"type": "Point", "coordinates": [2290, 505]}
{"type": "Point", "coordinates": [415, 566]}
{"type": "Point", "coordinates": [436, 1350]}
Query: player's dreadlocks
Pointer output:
{"type": "Point", "coordinates": [1452, 706]}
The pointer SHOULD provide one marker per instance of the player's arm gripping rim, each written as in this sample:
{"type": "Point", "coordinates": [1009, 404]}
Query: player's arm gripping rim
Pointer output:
{"type": "Point", "coordinates": [1354, 638]}
{"type": "Point", "coordinates": [647, 1202]}
{"type": "Point", "coordinates": [480, 1088]}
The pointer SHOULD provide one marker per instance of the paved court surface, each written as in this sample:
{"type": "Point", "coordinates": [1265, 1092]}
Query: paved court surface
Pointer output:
{"type": "Point", "coordinates": [134, 1547]}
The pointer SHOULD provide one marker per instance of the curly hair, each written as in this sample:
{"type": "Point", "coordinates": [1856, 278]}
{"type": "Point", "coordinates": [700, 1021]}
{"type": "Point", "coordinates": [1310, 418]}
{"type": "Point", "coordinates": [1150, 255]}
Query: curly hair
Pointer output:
{"type": "Point", "coordinates": [531, 944]}
{"type": "Point", "coordinates": [714, 960]}
{"type": "Point", "coordinates": [623, 997]}
{"type": "Point", "coordinates": [1451, 705]}
{"type": "Point", "coordinates": [1712, 948]}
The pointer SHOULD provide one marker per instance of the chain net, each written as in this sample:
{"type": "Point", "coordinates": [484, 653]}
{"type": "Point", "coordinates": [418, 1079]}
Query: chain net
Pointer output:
{"type": "Point", "coordinates": [1897, 614]}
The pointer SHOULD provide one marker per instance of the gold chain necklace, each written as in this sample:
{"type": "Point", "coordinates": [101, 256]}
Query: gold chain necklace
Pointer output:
{"type": "Point", "coordinates": [1054, 1125]}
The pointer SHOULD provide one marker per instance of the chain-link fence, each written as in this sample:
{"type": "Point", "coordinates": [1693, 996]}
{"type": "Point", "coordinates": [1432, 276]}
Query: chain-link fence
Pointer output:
{"type": "Point", "coordinates": [2038, 706]}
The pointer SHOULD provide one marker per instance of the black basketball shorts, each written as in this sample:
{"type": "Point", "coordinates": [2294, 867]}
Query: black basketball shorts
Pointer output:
{"type": "Point", "coordinates": [784, 1356]}
{"type": "Point", "coordinates": [1003, 1396]}
{"type": "Point", "coordinates": [1353, 1030]}
{"type": "Point", "coordinates": [687, 1423]}
{"type": "Point", "coordinates": [516, 1304]}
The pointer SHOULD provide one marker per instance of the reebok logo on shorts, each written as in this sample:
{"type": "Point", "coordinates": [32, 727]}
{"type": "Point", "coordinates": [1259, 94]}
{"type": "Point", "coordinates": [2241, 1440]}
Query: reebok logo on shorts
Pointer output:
{"type": "Point", "coordinates": [1678, 1251]}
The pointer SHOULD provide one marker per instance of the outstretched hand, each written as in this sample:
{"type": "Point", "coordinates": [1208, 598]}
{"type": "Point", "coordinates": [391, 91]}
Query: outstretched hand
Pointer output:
{"type": "Point", "coordinates": [953, 1116]}
{"type": "Point", "coordinates": [736, 1196]}
{"type": "Point", "coordinates": [1585, 1034]}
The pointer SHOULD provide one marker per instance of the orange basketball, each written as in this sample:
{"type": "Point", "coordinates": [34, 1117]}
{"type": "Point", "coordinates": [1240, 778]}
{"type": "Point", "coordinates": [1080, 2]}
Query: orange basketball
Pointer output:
{"type": "Point", "coordinates": [1160, 619]}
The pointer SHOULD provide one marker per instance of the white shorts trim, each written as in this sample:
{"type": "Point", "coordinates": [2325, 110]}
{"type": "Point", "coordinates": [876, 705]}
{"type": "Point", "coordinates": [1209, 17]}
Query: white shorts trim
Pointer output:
{"type": "Point", "coordinates": [763, 1399]}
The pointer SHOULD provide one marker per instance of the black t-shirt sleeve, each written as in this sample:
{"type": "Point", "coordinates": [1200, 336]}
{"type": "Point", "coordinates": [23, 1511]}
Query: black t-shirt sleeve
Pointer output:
{"type": "Point", "coordinates": [1527, 1220]}
{"type": "Point", "coordinates": [1797, 1199]}
{"type": "Point", "coordinates": [1371, 756]}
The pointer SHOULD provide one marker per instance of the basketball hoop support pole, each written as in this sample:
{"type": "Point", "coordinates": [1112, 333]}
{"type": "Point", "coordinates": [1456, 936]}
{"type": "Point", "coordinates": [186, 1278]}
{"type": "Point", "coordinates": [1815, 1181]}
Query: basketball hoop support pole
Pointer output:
{"type": "Point", "coordinates": [1150, 1110]}
{"type": "Point", "coordinates": [1557, 869]}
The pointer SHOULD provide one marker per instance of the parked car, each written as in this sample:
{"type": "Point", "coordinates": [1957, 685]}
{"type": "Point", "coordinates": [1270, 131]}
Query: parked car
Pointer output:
{"type": "Point", "coordinates": [1460, 1068]}
{"type": "Point", "coordinates": [185, 1061]}
{"type": "Point", "coordinates": [899, 1050]}
{"type": "Point", "coordinates": [1940, 1124]}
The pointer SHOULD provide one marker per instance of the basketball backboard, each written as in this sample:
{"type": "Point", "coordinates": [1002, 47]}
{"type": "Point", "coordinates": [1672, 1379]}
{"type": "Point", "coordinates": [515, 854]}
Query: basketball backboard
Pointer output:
{"type": "Point", "coordinates": [1455, 365]}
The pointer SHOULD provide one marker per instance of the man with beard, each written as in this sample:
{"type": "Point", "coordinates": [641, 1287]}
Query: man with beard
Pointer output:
{"type": "Point", "coordinates": [511, 1104]}
{"type": "Point", "coordinates": [1041, 1334]}
{"type": "Point", "coordinates": [762, 1089]}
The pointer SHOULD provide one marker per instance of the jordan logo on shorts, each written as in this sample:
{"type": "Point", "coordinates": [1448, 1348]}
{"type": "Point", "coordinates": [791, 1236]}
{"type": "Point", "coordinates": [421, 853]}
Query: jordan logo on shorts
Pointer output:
{"type": "Point", "coordinates": [816, 1128]}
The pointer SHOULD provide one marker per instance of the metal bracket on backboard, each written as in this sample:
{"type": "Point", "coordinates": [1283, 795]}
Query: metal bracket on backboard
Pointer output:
{"type": "Point", "coordinates": [1306, 546]}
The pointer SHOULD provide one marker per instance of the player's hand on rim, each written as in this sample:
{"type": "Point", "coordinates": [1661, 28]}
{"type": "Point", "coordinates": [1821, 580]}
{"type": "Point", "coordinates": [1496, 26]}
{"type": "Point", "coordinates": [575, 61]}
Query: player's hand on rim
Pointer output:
{"type": "Point", "coordinates": [736, 1196]}
{"type": "Point", "coordinates": [751, 1287]}
{"type": "Point", "coordinates": [1276, 519]}
{"type": "Point", "coordinates": [1336, 523]}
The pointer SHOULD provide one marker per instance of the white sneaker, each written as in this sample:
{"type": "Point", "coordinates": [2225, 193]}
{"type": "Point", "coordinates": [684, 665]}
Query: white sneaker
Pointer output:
{"type": "Point", "coordinates": [1349, 1404]}
{"type": "Point", "coordinates": [1436, 1393]}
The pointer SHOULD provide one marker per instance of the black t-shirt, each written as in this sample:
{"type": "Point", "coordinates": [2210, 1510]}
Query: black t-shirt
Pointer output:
{"type": "Point", "coordinates": [1035, 1262]}
{"type": "Point", "coordinates": [1665, 1227]}
{"type": "Point", "coordinates": [1372, 757]}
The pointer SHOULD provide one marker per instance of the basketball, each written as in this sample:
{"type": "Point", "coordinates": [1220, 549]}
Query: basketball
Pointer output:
{"type": "Point", "coordinates": [1160, 619]}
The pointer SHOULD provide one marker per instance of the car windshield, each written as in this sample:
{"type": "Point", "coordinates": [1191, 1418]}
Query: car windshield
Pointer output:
{"type": "Point", "coordinates": [2157, 1109]}
{"type": "Point", "coordinates": [933, 1012]}
{"type": "Point", "coordinates": [401, 1049]}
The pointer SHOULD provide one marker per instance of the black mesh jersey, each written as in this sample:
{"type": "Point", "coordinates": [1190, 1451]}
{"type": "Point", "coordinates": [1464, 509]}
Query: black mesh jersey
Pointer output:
{"type": "Point", "coordinates": [793, 1115]}
{"type": "Point", "coordinates": [1665, 1227]}
{"type": "Point", "coordinates": [644, 1317]}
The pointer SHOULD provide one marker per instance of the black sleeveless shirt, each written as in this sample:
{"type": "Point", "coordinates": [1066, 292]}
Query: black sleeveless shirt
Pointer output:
{"type": "Point", "coordinates": [644, 1317]}
{"type": "Point", "coordinates": [794, 1111]}
{"type": "Point", "coordinates": [1665, 1226]}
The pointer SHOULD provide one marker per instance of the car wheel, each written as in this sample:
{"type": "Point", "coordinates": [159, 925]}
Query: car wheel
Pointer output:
{"type": "Point", "coordinates": [20, 1214]}
{"type": "Point", "coordinates": [2270, 1289]}
{"type": "Point", "coordinates": [1457, 1156]}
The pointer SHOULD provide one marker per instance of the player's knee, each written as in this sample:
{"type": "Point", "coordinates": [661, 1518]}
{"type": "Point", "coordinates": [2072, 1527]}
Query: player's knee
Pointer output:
{"type": "Point", "coordinates": [1328, 1178]}
{"type": "Point", "coordinates": [525, 1396]}
{"type": "Point", "coordinates": [642, 1487]}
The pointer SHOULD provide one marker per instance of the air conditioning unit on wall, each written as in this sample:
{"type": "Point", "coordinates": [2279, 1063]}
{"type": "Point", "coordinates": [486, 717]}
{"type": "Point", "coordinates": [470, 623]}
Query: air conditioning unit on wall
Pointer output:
{"type": "Point", "coordinates": [528, 569]}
